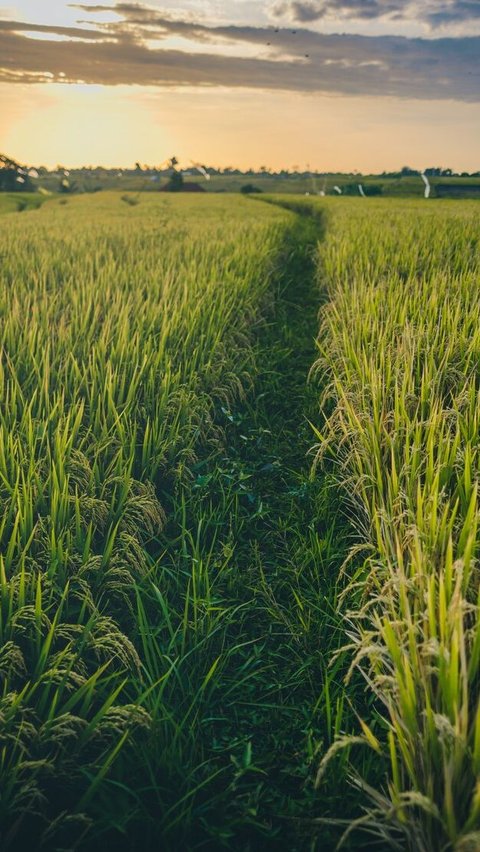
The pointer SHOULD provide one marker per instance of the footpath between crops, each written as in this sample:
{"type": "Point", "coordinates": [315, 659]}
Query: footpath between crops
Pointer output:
{"type": "Point", "coordinates": [290, 552]}
{"type": "Point", "coordinates": [289, 540]}
{"type": "Point", "coordinates": [255, 700]}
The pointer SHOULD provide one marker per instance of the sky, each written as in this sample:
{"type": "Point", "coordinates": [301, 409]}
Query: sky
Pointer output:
{"type": "Point", "coordinates": [332, 85]}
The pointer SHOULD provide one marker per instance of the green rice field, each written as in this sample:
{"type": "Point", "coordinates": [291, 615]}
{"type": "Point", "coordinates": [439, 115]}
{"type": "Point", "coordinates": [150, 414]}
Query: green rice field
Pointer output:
{"type": "Point", "coordinates": [239, 465]}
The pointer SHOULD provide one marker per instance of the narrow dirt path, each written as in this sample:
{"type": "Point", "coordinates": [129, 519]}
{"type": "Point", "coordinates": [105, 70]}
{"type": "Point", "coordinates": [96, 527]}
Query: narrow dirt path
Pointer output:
{"type": "Point", "coordinates": [289, 544]}
{"type": "Point", "coordinates": [258, 543]}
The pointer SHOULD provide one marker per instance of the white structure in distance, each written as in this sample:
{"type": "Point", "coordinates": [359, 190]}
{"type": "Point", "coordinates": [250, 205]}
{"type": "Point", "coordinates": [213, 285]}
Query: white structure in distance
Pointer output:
{"type": "Point", "coordinates": [428, 188]}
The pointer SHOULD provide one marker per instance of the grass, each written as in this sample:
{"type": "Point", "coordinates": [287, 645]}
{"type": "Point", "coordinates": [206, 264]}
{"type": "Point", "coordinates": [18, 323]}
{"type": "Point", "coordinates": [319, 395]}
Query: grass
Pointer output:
{"type": "Point", "coordinates": [400, 343]}
{"type": "Point", "coordinates": [18, 202]}
{"type": "Point", "coordinates": [238, 536]}
{"type": "Point", "coordinates": [136, 331]}
{"type": "Point", "coordinates": [166, 633]}
{"type": "Point", "coordinates": [207, 631]}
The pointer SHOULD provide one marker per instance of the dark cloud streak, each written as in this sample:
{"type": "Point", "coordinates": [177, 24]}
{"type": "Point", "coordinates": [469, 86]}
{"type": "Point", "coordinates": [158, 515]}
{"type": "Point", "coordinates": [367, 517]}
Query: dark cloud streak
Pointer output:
{"type": "Point", "coordinates": [67, 32]}
{"type": "Point", "coordinates": [434, 13]}
{"type": "Point", "coordinates": [305, 11]}
{"type": "Point", "coordinates": [119, 54]}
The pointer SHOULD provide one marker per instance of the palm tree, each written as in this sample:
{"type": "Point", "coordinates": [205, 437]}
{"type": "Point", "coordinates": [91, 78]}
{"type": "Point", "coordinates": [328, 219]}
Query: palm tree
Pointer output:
{"type": "Point", "coordinates": [175, 182]}
{"type": "Point", "coordinates": [13, 177]}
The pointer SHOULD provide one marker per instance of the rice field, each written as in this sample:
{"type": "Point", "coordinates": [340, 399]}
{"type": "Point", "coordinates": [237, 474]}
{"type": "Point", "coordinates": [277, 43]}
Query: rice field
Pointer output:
{"type": "Point", "coordinates": [238, 568]}
{"type": "Point", "coordinates": [400, 345]}
{"type": "Point", "coordinates": [18, 202]}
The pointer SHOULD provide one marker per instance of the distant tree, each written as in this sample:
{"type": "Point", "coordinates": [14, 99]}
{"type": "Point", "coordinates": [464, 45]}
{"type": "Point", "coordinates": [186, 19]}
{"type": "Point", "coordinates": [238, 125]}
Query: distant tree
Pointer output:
{"type": "Point", "coordinates": [13, 177]}
{"type": "Point", "coordinates": [175, 178]}
{"type": "Point", "coordinates": [175, 183]}
{"type": "Point", "coordinates": [406, 171]}
{"type": "Point", "coordinates": [249, 189]}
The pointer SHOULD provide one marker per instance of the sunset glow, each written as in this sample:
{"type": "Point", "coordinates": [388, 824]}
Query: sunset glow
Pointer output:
{"type": "Point", "coordinates": [242, 83]}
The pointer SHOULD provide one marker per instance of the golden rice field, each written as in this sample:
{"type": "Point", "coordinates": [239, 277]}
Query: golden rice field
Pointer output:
{"type": "Point", "coordinates": [239, 585]}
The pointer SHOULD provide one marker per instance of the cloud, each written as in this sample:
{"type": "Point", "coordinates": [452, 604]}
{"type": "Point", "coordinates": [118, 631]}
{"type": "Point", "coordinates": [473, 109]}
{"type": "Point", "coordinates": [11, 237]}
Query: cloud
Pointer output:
{"type": "Point", "coordinates": [127, 53]}
{"type": "Point", "coordinates": [66, 32]}
{"type": "Point", "coordinates": [314, 10]}
{"type": "Point", "coordinates": [457, 12]}
{"type": "Point", "coordinates": [433, 13]}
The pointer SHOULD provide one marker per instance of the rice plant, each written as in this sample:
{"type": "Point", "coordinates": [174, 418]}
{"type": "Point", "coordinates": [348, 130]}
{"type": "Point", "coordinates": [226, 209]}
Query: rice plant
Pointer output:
{"type": "Point", "coordinates": [400, 345]}
{"type": "Point", "coordinates": [122, 330]}
{"type": "Point", "coordinates": [188, 617]}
